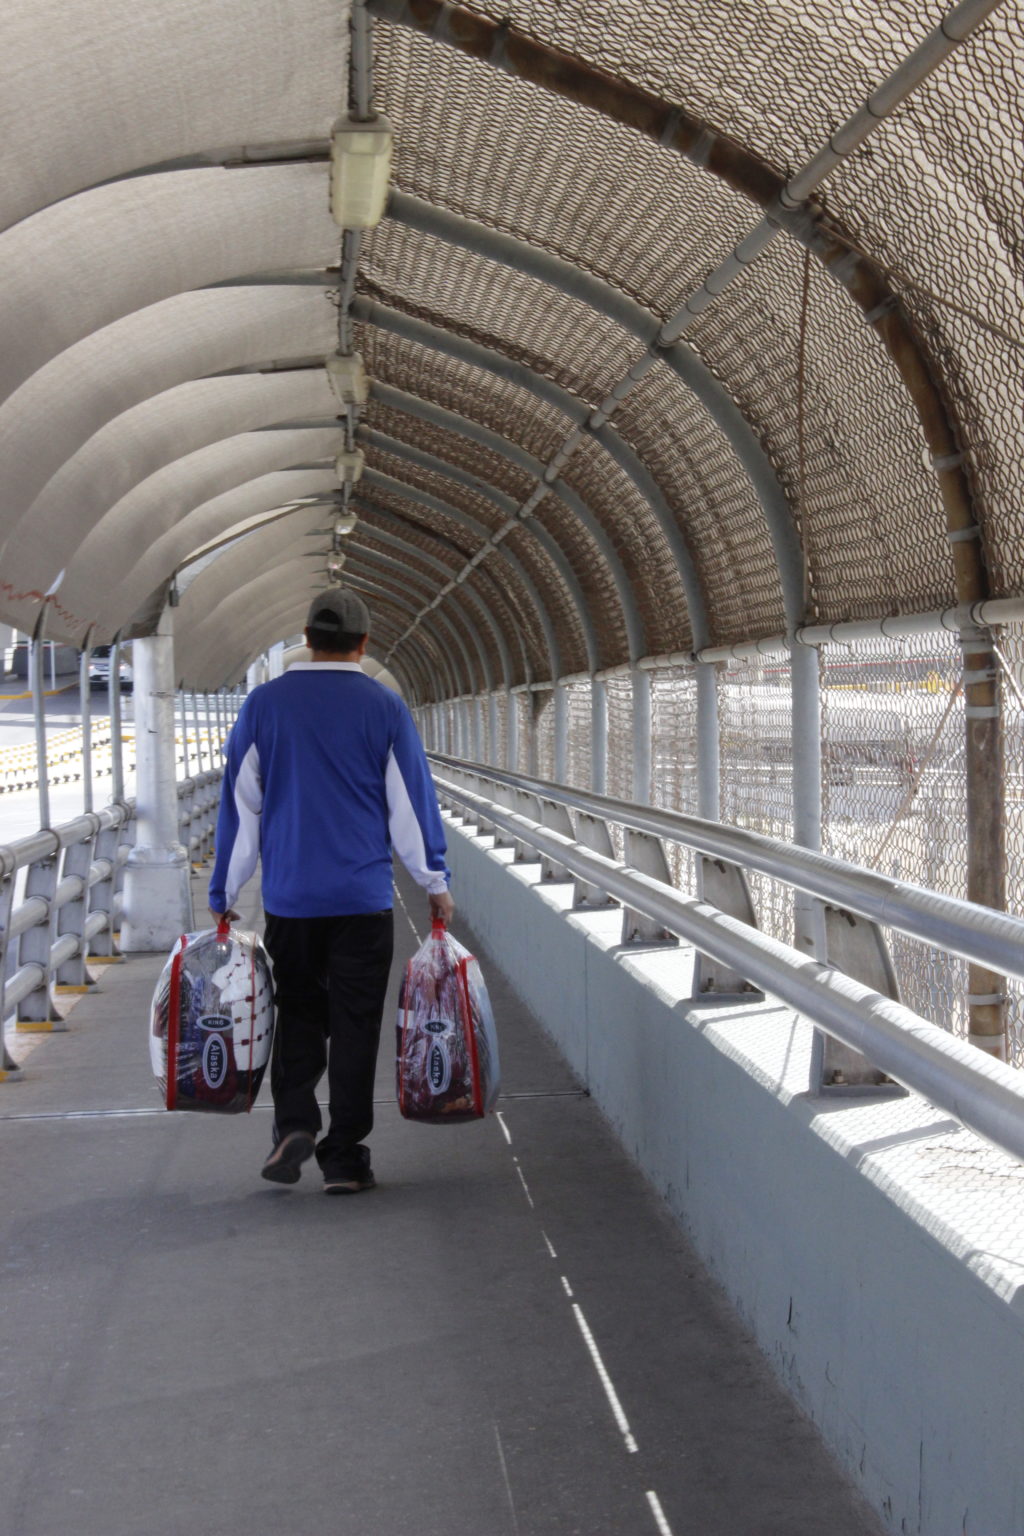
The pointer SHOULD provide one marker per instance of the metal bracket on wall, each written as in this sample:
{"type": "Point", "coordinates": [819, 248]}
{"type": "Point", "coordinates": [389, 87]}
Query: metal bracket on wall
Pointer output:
{"type": "Point", "coordinates": [645, 854]}
{"type": "Point", "coordinates": [557, 819]}
{"type": "Point", "coordinates": [725, 886]}
{"type": "Point", "coordinates": [855, 946]}
{"type": "Point", "coordinates": [592, 833]}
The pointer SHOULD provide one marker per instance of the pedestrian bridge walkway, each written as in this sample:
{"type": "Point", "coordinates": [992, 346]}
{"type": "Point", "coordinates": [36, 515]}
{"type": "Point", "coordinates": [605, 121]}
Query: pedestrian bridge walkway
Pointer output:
{"type": "Point", "coordinates": [509, 1335]}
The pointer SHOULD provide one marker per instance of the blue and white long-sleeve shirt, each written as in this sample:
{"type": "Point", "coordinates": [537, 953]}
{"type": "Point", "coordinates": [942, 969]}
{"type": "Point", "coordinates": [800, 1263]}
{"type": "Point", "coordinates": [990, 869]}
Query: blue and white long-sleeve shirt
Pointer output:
{"type": "Point", "coordinates": [325, 775]}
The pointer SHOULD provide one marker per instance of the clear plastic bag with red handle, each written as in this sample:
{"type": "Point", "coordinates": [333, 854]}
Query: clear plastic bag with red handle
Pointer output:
{"type": "Point", "coordinates": [448, 1067]}
{"type": "Point", "coordinates": [212, 1022]}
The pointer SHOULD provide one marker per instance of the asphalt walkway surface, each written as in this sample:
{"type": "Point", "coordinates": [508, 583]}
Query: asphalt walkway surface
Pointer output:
{"type": "Point", "coordinates": [507, 1337]}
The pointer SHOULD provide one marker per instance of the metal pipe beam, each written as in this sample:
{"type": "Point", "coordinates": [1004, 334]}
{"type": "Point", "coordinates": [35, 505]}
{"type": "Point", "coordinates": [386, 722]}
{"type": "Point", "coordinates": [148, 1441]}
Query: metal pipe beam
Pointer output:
{"type": "Point", "coordinates": [491, 361]}
{"type": "Point", "coordinates": [425, 410]}
{"type": "Point", "coordinates": [520, 256]}
{"type": "Point", "coordinates": [506, 505]}
{"type": "Point", "coordinates": [411, 493]}
{"type": "Point", "coordinates": [387, 535]}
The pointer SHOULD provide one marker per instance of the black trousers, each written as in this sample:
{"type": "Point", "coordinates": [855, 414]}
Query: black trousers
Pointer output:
{"type": "Point", "coordinates": [330, 979]}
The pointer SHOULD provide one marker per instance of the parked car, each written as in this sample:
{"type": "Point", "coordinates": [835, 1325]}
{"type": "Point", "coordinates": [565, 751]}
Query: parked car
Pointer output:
{"type": "Point", "coordinates": [99, 670]}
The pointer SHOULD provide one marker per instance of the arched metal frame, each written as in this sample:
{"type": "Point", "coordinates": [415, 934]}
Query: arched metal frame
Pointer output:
{"type": "Point", "coordinates": [506, 505]}
{"type": "Point", "coordinates": [456, 515]}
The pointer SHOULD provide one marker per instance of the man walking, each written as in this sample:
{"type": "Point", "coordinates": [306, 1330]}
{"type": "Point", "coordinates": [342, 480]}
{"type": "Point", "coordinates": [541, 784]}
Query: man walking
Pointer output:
{"type": "Point", "coordinates": [326, 774]}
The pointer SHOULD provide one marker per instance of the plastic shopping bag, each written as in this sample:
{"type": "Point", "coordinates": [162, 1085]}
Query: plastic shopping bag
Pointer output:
{"type": "Point", "coordinates": [447, 1047]}
{"type": "Point", "coordinates": [212, 1022]}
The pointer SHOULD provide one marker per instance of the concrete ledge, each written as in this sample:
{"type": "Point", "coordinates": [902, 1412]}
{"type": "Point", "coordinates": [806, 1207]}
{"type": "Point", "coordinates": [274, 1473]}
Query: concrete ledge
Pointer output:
{"type": "Point", "coordinates": [874, 1248]}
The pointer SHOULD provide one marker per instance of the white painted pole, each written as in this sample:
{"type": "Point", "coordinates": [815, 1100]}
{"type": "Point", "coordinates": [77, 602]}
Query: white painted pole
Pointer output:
{"type": "Point", "coordinates": [511, 732]}
{"type": "Point", "coordinates": [709, 802]}
{"type": "Point", "coordinates": [39, 718]}
{"type": "Point", "coordinates": [598, 736]}
{"type": "Point", "coordinates": [85, 720]}
{"type": "Point", "coordinates": [116, 729]}
{"type": "Point", "coordinates": [492, 731]}
{"type": "Point", "coordinates": [478, 729]}
{"type": "Point", "coordinates": [641, 736]}
{"type": "Point", "coordinates": [561, 706]}
{"type": "Point", "coordinates": [157, 890]}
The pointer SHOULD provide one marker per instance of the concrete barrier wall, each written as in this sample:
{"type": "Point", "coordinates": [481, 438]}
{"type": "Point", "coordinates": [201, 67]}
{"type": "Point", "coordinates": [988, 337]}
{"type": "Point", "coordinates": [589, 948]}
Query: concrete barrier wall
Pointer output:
{"type": "Point", "coordinates": [874, 1248]}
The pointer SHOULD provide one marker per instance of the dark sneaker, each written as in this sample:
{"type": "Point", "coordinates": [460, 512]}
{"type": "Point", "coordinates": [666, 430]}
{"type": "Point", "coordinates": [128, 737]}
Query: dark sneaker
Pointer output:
{"type": "Point", "coordinates": [284, 1165]}
{"type": "Point", "coordinates": [352, 1176]}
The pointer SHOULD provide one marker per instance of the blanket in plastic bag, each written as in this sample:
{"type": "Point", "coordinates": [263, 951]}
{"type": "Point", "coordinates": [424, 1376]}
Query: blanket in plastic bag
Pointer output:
{"type": "Point", "coordinates": [212, 1022]}
{"type": "Point", "coordinates": [448, 1066]}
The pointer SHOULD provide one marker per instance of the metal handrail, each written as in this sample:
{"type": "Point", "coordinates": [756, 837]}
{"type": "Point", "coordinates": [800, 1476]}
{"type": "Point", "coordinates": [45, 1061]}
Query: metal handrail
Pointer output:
{"type": "Point", "coordinates": [976, 933]}
{"type": "Point", "coordinates": [34, 920]}
{"type": "Point", "coordinates": [983, 1094]}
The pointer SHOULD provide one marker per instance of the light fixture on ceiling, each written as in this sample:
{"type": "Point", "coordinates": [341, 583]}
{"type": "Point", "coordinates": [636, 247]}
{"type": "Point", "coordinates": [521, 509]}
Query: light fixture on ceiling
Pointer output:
{"type": "Point", "coordinates": [360, 171]}
{"type": "Point", "coordinates": [349, 465]}
{"type": "Point", "coordinates": [335, 566]}
{"type": "Point", "coordinates": [347, 377]}
{"type": "Point", "coordinates": [345, 522]}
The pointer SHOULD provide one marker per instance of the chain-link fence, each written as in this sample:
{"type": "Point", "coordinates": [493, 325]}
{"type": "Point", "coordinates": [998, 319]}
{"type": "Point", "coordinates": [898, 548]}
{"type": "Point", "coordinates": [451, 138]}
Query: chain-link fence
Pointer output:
{"type": "Point", "coordinates": [674, 757]}
{"type": "Point", "coordinates": [1010, 651]}
{"type": "Point", "coordinates": [579, 756]}
{"type": "Point", "coordinates": [894, 778]}
{"type": "Point", "coordinates": [755, 705]}
{"type": "Point", "coordinates": [894, 789]}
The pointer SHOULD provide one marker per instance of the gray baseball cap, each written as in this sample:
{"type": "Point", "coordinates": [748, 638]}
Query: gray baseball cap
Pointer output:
{"type": "Point", "coordinates": [341, 609]}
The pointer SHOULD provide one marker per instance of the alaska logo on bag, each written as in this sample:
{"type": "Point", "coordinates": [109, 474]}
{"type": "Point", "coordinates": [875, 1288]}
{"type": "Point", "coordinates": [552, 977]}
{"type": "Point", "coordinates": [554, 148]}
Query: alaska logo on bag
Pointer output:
{"type": "Point", "coordinates": [439, 1067]}
{"type": "Point", "coordinates": [215, 1050]}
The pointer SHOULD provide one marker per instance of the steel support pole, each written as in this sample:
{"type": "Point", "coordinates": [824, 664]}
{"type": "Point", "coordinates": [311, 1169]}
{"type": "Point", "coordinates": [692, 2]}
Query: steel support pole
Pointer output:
{"type": "Point", "coordinates": [709, 798]}
{"type": "Point", "coordinates": [806, 727]}
{"type": "Point", "coordinates": [39, 719]}
{"type": "Point", "coordinates": [157, 890]}
{"type": "Point", "coordinates": [478, 729]}
{"type": "Point", "coordinates": [598, 736]}
{"type": "Point", "coordinates": [116, 728]}
{"type": "Point", "coordinates": [561, 706]}
{"type": "Point", "coordinates": [200, 758]}
{"type": "Point", "coordinates": [986, 827]}
{"type": "Point", "coordinates": [184, 735]}
{"type": "Point", "coordinates": [511, 732]}
{"type": "Point", "coordinates": [85, 718]}
{"type": "Point", "coordinates": [533, 706]}
{"type": "Point", "coordinates": [493, 730]}
{"type": "Point", "coordinates": [641, 736]}
{"type": "Point", "coordinates": [808, 913]}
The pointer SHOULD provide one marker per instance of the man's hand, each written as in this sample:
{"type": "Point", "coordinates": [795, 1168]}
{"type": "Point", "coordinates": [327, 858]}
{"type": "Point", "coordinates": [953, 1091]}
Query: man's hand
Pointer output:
{"type": "Point", "coordinates": [230, 916]}
{"type": "Point", "coordinates": [442, 906]}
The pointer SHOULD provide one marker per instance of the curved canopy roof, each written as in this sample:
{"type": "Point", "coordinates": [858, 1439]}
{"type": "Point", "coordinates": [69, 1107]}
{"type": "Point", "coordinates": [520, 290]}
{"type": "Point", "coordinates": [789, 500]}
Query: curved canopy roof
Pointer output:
{"type": "Point", "coordinates": [555, 481]}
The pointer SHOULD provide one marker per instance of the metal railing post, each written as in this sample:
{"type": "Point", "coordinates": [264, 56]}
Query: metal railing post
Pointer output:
{"type": "Point", "coordinates": [641, 735]}
{"type": "Point", "coordinates": [478, 729]}
{"type": "Point", "coordinates": [511, 732]}
{"type": "Point", "coordinates": [39, 719]}
{"type": "Point", "coordinates": [36, 1011]}
{"type": "Point", "coordinates": [101, 895]}
{"type": "Point", "coordinates": [561, 707]}
{"type": "Point", "coordinates": [598, 735]}
{"type": "Point", "coordinates": [9, 1068]}
{"type": "Point", "coordinates": [199, 738]}
{"type": "Point", "coordinates": [493, 733]}
{"type": "Point", "coordinates": [85, 716]}
{"type": "Point", "coordinates": [71, 974]}
{"type": "Point", "coordinates": [116, 734]}
{"type": "Point", "coordinates": [986, 827]}
{"type": "Point", "coordinates": [709, 801]}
